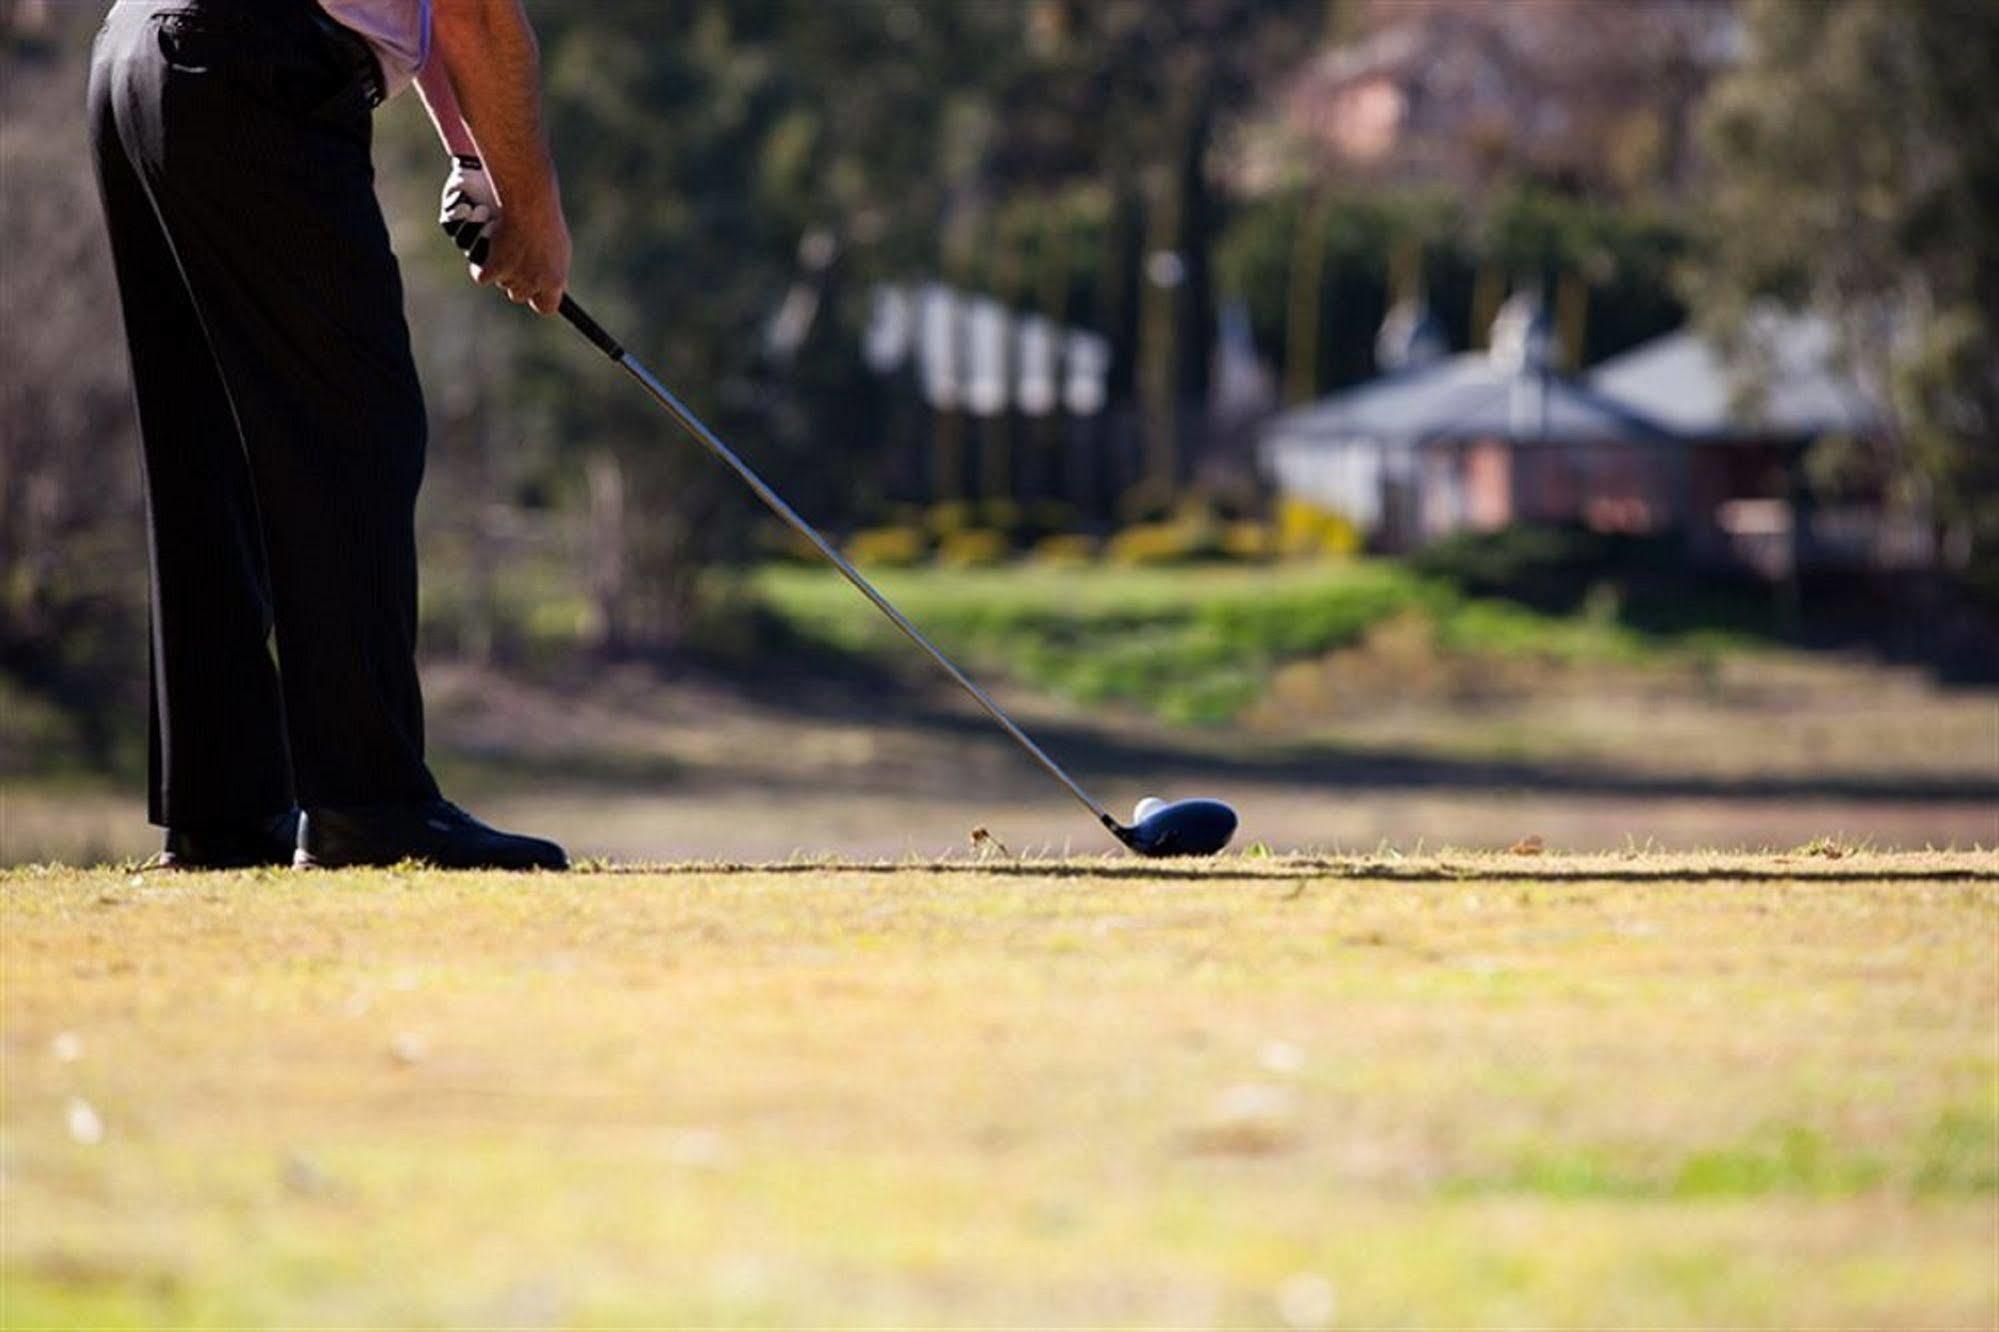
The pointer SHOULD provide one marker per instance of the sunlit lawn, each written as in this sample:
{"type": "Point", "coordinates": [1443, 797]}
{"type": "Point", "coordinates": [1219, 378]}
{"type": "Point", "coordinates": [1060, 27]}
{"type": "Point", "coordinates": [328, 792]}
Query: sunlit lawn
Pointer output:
{"type": "Point", "coordinates": [1191, 644]}
{"type": "Point", "coordinates": [1518, 1090]}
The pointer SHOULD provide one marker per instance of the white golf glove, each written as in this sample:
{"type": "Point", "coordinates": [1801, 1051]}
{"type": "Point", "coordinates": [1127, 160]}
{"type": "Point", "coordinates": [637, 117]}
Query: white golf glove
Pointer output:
{"type": "Point", "coordinates": [469, 207]}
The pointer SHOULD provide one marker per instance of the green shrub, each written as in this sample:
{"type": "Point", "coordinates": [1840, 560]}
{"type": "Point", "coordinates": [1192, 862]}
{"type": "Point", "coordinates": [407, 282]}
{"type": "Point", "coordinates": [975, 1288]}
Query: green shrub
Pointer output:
{"type": "Point", "coordinates": [888, 547]}
{"type": "Point", "coordinates": [976, 548]}
{"type": "Point", "coordinates": [1052, 518]}
{"type": "Point", "coordinates": [1185, 642]}
{"type": "Point", "coordinates": [1067, 550]}
{"type": "Point", "coordinates": [1250, 541]}
{"type": "Point", "coordinates": [1174, 542]}
{"type": "Point", "coordinates": [776, 541]}
{"type": "Point", "coordinates": [1002, 515]}
{"type": "Point", "coordinates": [1306, 529]}
{"type": "Point", "coordinates": [948, 517]}
{"type": "Point", "coordinates": [1539, 565]}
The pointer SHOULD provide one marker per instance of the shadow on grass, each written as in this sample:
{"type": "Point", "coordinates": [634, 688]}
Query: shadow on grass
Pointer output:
{"type": "Point", "coordinates": [852, 689]}
{"type": "Point", "coordinates": [1306, 872]}
{"type": "Point", "coordinates": [1102, 755]}
{"type": "Point", "coordinates": [818, 689]}
{"type": "Point", "coordinates": [484, 769]}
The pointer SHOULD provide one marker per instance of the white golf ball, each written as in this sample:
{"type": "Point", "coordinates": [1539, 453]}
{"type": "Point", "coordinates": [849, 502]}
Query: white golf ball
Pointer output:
{"type": "Point", "coordinates": [1144, 809]}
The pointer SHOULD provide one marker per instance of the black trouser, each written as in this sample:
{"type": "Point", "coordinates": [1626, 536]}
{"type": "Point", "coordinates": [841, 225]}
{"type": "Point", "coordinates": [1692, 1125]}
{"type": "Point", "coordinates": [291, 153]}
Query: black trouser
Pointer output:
{"type": "Point", "coordinates": [279, 411]}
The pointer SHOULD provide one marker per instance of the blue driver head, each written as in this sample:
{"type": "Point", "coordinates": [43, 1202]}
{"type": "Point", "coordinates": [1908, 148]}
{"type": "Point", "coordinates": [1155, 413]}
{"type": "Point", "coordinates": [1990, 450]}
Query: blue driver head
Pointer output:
{"type": "Point", "coordinates": [1179, 828]}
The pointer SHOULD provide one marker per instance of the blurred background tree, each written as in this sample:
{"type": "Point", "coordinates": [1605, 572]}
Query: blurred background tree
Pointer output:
{"type": "Point", "coordinates": [72, 553]}
{"type": "Point", "coordinates": [740, 175]}
{"type": "Point", "coordinates": [1855, 167]}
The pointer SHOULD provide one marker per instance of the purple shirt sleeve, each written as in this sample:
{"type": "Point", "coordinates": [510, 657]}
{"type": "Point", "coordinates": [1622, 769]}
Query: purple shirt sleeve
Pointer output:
{"type": "Point", "coordinates": [397, 30]}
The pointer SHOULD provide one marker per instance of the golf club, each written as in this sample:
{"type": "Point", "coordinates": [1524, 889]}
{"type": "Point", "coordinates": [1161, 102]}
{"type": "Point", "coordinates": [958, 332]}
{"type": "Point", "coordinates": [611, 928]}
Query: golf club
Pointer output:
{"type": "Point", "coordinates": [1158, 828]}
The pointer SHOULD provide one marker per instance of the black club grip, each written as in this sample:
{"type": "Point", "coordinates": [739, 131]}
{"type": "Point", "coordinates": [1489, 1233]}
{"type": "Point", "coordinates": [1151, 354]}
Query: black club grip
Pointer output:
{"type": "Point", "coordinates": [590, 328]}
{"type": "Point", "coordinates": [470, 238]}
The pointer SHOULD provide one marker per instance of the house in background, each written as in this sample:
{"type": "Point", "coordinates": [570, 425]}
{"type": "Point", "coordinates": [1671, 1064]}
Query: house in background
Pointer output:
{"type": "Point", "coordinates": [1748, 415]}
{"type": "Point", "coordinates": [1478, 441]}
{"type": "Point", "coordinates": [1663, 439]}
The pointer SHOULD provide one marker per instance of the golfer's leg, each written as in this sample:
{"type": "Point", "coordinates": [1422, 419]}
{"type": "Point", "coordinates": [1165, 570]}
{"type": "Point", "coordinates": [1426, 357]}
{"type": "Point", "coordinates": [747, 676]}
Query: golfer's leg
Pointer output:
{"type": "Point", "coordinates": [271, 211]}
{"type": "Point", "coordinates": [218, 748]}
{"type": "Point", "coordinates": [319, 363]}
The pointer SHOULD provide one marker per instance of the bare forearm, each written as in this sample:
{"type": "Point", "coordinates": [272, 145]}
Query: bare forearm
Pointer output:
{"type": "Point", "coordinates": [488, 61]}
{"type": "Point", "coordinates": [484, 77]}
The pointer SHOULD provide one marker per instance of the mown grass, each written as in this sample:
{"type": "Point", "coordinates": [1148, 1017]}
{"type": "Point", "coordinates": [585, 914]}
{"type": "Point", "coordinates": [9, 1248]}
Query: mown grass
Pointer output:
{"type": "Point", "coordinates": [1264, 1092]}
{"type": "Point", "coordinates": [1192, 644]}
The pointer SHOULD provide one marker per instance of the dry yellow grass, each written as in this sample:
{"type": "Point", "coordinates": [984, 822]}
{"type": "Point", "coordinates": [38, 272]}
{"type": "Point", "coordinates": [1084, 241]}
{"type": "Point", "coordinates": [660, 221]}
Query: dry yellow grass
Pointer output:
{"type": "Point", "coordinates": [1621, 1090]}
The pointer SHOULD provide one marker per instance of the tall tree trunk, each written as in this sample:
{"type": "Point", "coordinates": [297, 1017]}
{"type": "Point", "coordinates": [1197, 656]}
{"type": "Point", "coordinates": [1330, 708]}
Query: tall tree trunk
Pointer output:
{"type": "Point", "coordinates": [482, 624]}
{"type": "Point", "coordinates": [606, 552]}
{"type": "Point", "coordinates": [1180, 319]}
{"type": "Point", "coordinates": [1303, 310]}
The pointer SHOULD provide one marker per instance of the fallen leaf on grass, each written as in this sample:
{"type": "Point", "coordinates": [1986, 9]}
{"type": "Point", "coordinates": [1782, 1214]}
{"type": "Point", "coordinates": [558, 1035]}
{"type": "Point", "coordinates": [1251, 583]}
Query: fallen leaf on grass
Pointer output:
{"type": "Point", "coordinates": [1251, 1119]}
{"type": "Point", "coordinates": [1281, 1057]}
{"type": "Point", "coordinates": [85, 1124]}
{"type": "Point", "coordinates": [1307, 1301]}
{"type": "Point", "coordinates": [699, 1149]}
{"type": "Point", "coordinates": [306, 1179]}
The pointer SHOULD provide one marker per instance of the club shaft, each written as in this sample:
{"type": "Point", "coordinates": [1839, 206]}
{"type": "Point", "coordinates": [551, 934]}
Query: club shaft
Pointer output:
{"type": "Point", "coordinates": [707, 438]}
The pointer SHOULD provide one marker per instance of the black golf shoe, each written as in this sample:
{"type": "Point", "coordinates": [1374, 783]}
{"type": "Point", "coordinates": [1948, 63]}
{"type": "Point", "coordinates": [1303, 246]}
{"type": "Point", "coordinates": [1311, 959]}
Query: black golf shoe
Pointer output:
{"type": "Point", "coordinates": [271, 841]}
{"type": "Point", "coordinates": [438, 833]}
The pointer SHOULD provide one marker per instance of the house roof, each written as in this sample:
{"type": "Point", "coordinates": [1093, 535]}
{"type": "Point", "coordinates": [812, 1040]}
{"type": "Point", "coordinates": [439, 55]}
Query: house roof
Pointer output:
{"type": "Point", "coordinates": [1786, 382]}
{"type": "Point", "coordinates": [1468, 396]}
{"type": "Point", "coordinates": [1537, 406]}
